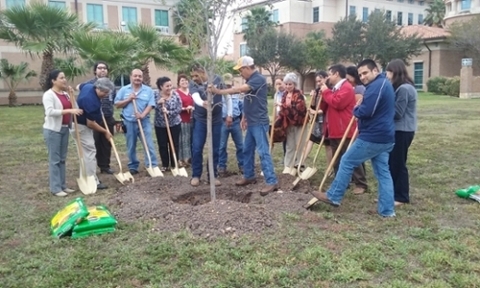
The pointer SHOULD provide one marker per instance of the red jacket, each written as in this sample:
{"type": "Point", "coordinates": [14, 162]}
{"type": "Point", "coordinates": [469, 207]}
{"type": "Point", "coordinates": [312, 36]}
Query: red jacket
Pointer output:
{"type": "Point", "coordinates": [338, 110]}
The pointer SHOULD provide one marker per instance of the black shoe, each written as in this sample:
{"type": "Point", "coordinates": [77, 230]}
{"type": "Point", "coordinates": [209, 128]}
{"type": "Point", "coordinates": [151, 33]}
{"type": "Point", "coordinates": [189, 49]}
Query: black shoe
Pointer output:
{"type": "Point", "coordinates": [133, 172]}
{"type": "Point", "coordinates": [101, 186]}
{"type": "Point", "coordinates": [106, 171]}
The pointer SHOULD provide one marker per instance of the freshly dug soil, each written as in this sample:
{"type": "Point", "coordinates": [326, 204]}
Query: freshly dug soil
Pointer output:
{"type": "Point", "coordinates": [173, 204]}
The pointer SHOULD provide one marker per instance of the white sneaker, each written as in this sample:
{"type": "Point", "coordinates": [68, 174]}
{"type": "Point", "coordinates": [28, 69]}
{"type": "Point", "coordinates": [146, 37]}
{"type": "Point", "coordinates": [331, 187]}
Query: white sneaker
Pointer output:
{"type": "Point", "coordinates": [68, 190]}
{"type": "Point", "coordinates": [61, 194]}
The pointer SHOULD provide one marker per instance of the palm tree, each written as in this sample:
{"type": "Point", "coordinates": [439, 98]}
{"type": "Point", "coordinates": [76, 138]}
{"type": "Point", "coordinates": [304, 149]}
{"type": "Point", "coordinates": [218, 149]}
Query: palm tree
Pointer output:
{"type": "Point", "coordinates": [42, 30]}
{"type": "Point", "coordinates": [258, 21]}
{"type": "Point", "coordinates": [13, 75]}
{"type": "Point", "coordinates": [150, 46]}
{"type": "Point", "coordinates": [113, 47]}
{"type": "Point", "coordinates": [70, 67]}
{"type": "Point", "coordinates": [435, 14]}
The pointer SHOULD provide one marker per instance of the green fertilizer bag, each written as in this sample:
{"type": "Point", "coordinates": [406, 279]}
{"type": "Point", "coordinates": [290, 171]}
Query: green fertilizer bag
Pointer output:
{"type": "Point", "coordinates": [64, 221]}
{"type": "Point", "coordinates": [98, 221]}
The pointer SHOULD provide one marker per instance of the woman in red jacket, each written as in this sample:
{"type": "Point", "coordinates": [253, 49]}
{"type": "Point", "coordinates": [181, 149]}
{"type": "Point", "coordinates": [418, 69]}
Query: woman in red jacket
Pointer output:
{"type": "Point", "coordinates": [337, 105]}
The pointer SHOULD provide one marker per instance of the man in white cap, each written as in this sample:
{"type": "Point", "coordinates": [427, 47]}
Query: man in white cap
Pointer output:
{"type": "Point", "coordinates": [256, 121]}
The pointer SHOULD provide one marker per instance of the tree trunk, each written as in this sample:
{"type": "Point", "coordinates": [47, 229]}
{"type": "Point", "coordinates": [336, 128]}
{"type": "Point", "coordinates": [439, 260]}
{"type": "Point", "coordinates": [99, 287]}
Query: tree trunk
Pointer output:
{"type": "Point", "coordinates": [273, 75]}
{"type": "Point", "coordinates": [146, 74]}
{"type": "Point", "coordinates": [211, 170]}
{"type": "Point", "coordinates": [12, 99]}
{"type": "Point", "coordinates": [47, 67]}
{"type": "Point", "coordinates": [301, 81]}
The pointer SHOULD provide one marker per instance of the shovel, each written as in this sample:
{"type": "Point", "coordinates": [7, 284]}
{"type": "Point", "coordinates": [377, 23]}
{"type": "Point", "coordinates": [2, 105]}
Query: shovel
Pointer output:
{"type": "Point", "coordinates": [175, 171]}
{"type": "Point", "coordinates": [121, 177]}
{"type": "Point", "coordinates": [308, 170]}
{"type": "Point", "coordinates": [334, 159]}
{"type": "Point", "coordinates": [86, 184]}
{"type": "Point", "coordinates": [153, 171]}
{"type": "Point", "coordinates": [292, 170]}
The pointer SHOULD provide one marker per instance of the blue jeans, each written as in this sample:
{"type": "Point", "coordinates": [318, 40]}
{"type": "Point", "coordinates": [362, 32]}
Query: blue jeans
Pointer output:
{"type": "Point", "coordinates": [256, 137]}
{"type": "Point", "coordinates": [57, 146]}
{"type": "Point", "coordinates": [133, 133]}
{"type": "Point", "coordinates": [359, 152]}
{"type": "Point", "coordinates": [199, 137]}
{"type": "Point", "coordinates": [236, 131]}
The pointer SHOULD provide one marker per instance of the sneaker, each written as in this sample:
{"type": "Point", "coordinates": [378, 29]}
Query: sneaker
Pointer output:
{"type": "Point", "coordinates": [195, 182]}
{"type": "Point", "coordinates": [267, 189]}
{"type": "Point", "coordinates": [61, 194]}
{"type": "Point", "coordinates": [68, 190]}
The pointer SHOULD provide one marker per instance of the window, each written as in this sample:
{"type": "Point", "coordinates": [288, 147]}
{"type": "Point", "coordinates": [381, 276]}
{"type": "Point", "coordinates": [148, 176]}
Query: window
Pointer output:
{"type": "Point", "coordinates": [399, 19]}
{"type": "Point", "coordinates": [274, 16]}
{"type": "Point", "coordinates": [95, 14]}
{"type": "Point", "coordinates": [418, 75]}
{"type": "Point", "coordinates": [316, 14]}
{"type": "Point", "coordinates": [466, 4]}
{"type": "Point", "coordinates": [410, 19]}
{"type": "Point", "coordinates": [401, 1]}
{"type": "Point", "coordinates": [353, 10]}
{"type": "Point", "coordinates": [243, 50]}
{"type": "Point", "coordinates": [365, 14]}
{"type": "Point", "coordinates": [129, 15]}
{"type": "Point", "coordinates": [410, 1]}
{"type": "Point", "coordinates": [161, 18]}
{"type": "Point", "coordinates": [420, 19]}
{"type": "Point", "coordinates": [13, 3]}
{"type": "Point", "coordinates": [244, 23]}
{"type": "Point", "coordinates": [58, 4]}
{"type": "Point", "coordinates": [421, 3]}
{"type": "Point", "coordinates": [388, 15]}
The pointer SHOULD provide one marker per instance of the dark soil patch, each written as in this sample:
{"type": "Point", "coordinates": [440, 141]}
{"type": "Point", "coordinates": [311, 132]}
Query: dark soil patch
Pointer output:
{"type": "Point", "coordinates": [174, 205]}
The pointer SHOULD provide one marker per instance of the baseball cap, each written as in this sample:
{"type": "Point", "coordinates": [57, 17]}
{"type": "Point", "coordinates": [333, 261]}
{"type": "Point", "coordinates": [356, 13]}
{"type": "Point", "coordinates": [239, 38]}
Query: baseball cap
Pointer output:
{"type": "Point", "coordinates": [243, 62]}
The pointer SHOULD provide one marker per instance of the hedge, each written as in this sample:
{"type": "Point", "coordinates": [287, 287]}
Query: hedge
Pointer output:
{"type": "Point", "coordinates": [444, 86]}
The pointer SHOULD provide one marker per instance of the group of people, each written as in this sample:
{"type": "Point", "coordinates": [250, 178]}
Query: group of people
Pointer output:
{"type": "Point", "coordinates": [183, 111]}
{"type": "Point", "coordinates": [383, 105]}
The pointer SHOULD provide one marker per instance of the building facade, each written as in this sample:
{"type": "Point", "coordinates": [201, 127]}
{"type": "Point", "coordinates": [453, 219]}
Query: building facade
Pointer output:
{"type": "Point", "coordinates": [460, 10]}
{"type": "Point", "coordinates": [109, 14]}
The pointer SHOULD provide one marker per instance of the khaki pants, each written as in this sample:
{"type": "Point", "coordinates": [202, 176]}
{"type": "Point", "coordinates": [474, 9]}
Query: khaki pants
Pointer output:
{"type": "Point", "coordinates": [89, 150]}
{"type": "Point", "coordinates": [293, 137]}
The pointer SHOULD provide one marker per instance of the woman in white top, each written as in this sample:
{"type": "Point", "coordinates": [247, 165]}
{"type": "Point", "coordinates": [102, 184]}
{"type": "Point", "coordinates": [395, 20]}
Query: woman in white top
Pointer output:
{"type": "Point", "coordinates": [58, 111]}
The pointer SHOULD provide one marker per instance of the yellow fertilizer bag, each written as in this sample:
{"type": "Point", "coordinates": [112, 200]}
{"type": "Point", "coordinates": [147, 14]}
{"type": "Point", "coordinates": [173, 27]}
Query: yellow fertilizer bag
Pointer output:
{"type": "Point", "coordinates": [63, 222]}
{"type": "Point", "coordinates": [98, 221]}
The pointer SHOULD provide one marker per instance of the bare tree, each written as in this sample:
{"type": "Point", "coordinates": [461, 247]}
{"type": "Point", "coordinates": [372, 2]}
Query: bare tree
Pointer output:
{"type": "Point", "coordinates": [218, 14]}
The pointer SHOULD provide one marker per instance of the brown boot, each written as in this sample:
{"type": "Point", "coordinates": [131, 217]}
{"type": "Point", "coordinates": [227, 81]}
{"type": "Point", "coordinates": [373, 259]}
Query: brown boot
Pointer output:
{"type": "Point", "coordinates": [267, 189]}
{"type": "Point", "coordinates": [322, 197]}
{"type": "Point", "coordinates": [245, 182]}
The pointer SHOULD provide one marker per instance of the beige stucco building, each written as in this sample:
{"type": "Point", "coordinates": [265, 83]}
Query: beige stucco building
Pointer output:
{"type": "Point", "coordinates": [109, 14]}
{"type": "Point", "coordinates": [300, 17]}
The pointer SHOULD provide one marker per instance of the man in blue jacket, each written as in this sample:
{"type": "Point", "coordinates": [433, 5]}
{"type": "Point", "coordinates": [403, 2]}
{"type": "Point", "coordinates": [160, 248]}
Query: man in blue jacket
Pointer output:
{"type": "Point", "coordinates": [376, 138]}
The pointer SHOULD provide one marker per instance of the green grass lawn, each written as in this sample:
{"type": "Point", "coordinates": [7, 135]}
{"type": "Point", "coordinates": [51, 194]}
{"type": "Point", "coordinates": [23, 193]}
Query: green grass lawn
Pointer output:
{"type": "Point", "coordinates": [434, 242]}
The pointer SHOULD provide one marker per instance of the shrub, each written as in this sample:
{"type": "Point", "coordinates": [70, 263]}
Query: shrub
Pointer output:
{"type": "Point", "coordinates": [435, 84]}
{"type": "Point", "coordinates": [451, 87]}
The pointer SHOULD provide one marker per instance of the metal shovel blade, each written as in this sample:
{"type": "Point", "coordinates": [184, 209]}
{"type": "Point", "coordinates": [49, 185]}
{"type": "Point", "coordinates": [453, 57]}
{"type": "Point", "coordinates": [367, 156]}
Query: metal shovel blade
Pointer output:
{"type": "Point", "coordinates": [310, 203]}
{"type": "Point", "coordinates": [128, 177]}
{"type": "Point", "coordinates": [293, 171]}
{"type": "Point", "coordinates": [174, 171]}
{"type": "Point", "coordinates": [182, 172]}
{"type": "Point", "coordinates": [120, 178]}
{"type": "Point", "coordinates": [154, 172]}
{"type": "Point", "coordinates": [87, 185]}
{"type": "Point", "coordinates": [308, 172]}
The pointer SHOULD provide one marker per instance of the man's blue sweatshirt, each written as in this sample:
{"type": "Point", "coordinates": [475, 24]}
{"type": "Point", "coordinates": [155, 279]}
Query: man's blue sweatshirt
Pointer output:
{"type": "Point", "coordinates": [376, 112]}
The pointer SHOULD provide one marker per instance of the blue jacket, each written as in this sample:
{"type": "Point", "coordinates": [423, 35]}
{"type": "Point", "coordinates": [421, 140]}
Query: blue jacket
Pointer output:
{"type": "Point", "coordinates": [376, 112]}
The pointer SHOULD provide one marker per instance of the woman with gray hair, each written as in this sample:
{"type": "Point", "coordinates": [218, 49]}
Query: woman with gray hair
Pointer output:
{"type": "Point", "coordinates": [291, 117]}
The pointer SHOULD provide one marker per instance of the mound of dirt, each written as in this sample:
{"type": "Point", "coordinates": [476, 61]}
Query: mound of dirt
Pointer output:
{"type": "Point", "coordinates": [173, 204]}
